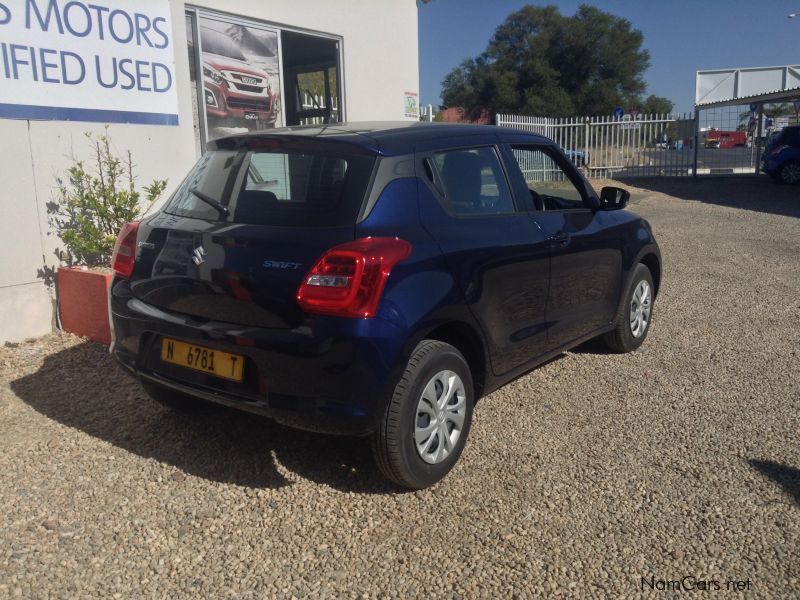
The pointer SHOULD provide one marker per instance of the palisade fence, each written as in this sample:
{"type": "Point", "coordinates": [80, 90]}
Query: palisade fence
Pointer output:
{"type": "Point", "coordinates": [310, 102]}
{"type": "Point", "coordinates": [647, 145]}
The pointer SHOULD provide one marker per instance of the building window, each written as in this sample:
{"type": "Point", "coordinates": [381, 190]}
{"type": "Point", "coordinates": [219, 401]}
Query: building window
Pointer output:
{"type": "Point", "coordinates": [251, 76]}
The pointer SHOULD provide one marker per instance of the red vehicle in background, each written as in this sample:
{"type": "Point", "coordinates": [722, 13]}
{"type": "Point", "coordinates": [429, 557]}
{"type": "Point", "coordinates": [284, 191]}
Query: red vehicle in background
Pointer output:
{"type": "Point", "coordinates": [725, 139]}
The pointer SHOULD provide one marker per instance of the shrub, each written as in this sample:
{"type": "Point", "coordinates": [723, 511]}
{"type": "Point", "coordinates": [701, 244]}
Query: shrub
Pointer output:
{"type": "Point", "coordinates": [95, 200]}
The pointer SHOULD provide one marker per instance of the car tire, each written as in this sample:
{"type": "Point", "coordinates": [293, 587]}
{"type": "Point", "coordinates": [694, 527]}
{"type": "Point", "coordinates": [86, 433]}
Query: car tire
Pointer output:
{"type": "Point", "coordinates": [404, 451]}
{"type": "Point", "coordinates": [790, 173]}
{"type": "Point", "coordinates": [172, 399]}
{"type": "Point", "coordinates": [635, 316]}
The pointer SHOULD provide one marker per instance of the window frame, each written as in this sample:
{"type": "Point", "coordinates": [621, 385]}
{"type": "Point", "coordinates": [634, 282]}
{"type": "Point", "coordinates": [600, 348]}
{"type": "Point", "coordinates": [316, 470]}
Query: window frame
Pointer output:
{"type": "Point", "coordinates": [195, 12]}
{"type": "Point", "coordinates": [589, 199]}
{"type": "Point", "coordinates": [439, 187]}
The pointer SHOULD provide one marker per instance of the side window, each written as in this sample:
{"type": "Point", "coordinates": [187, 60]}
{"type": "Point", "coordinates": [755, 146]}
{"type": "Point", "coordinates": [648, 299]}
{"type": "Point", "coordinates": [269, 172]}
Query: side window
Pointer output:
{"type": "Point", "coordinates": [474, 181]}
{"type": "Point", "coordinates": [551, 187]}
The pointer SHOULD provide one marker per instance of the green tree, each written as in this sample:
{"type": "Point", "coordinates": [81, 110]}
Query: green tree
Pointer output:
{"type": "Point", "coordinates": [656, 105]}
{"type": "Point", "coordinates": [771, 111]}
{"type": "Point", "coordinates": [783, 109]}
{"type": "Point", "coordinates": [543, 63]}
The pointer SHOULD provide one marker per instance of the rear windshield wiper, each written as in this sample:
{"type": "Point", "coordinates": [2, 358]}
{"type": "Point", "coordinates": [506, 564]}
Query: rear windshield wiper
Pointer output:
{"type": "Point", "coordinates": [211, 201]}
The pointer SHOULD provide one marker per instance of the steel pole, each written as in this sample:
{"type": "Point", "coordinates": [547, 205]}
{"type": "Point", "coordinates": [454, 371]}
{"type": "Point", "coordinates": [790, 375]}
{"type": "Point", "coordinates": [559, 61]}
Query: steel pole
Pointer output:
{"type": "Point", "coordinates": [696, 139]}
{"type": "Point", "coordinates": [759, 127]}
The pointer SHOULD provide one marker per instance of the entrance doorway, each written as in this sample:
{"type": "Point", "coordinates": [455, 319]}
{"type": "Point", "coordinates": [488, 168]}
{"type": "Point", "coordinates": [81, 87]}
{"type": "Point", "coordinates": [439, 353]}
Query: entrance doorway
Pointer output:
{"type": "Point", "coordinates": [311, 79]}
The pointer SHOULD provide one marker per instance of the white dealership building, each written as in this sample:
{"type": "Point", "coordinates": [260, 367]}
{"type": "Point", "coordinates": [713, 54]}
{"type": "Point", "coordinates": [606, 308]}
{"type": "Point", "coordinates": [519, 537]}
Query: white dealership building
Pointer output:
{"type": "Point", "coordinates": [164, 77]}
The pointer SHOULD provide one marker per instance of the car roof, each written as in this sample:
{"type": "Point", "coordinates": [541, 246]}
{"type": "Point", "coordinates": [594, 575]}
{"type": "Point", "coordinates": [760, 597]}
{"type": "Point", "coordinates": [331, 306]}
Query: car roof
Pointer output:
{"type": "Point", "coordinates": [387, 138]}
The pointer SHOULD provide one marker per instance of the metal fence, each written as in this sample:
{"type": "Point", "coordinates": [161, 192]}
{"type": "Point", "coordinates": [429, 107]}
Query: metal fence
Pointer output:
{"type": "Point", "coordinates": [310, 102]}
{"type": "Point", "coordinates": [647, 145]}
{"type": "Point", "coordinates": [731, 139]}
{"type": "Point", "coordinates": [537, 167]}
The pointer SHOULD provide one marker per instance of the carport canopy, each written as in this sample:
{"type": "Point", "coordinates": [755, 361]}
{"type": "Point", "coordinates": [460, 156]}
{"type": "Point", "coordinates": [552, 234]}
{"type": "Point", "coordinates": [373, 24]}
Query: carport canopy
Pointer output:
{"type": "Point", "coordinates": [754, 85]}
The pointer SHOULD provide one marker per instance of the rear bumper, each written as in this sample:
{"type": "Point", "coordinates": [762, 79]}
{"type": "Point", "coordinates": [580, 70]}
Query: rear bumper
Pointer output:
{"type": "Point", "coordinates": [329, 375]}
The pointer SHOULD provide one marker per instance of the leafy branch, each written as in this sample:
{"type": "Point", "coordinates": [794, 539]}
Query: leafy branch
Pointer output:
{"type": "Point", "coordinates": [95, 199]}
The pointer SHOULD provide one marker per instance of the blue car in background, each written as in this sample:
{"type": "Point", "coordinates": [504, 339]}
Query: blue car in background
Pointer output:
{"type": "Point", "coordinates": [781, 159]}
{"type": "Point", "coordinates": [580, 158]}
{"type": "Point", "coordinates": [376, 280]}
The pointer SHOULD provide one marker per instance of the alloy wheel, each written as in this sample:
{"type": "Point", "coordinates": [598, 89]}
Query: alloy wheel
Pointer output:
{"type": "Point", "coordinates": [790, 173]}
{"type": "Point", "coordinates": [439, 419]}
{"type": "Point", "coordinates": [641, 306]}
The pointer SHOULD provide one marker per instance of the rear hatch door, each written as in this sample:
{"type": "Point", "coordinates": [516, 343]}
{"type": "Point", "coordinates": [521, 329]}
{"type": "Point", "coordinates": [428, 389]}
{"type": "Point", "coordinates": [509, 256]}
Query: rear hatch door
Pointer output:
{"type": "Point", "coordinates": [236, 239]}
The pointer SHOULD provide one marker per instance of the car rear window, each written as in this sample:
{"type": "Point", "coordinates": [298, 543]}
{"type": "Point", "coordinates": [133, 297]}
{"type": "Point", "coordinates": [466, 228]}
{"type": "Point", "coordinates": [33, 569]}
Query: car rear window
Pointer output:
{"type": "Point", "coordinates": [275, 187]}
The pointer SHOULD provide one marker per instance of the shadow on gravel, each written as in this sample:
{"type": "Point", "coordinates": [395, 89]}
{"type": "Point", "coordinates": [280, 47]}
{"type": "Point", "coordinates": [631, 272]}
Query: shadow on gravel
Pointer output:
{"type": "Point", "coordinates": [787, 477]}
{"type": "Point", "coordinates": [81, 387]}
{"type": "Point", "coordinates": [593, 346]}
{"type": "Point", "coordinates": [760, 194]}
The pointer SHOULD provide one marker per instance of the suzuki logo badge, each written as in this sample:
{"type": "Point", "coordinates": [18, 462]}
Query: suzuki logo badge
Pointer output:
{"type": "Point", "coordinates": [199, 256]}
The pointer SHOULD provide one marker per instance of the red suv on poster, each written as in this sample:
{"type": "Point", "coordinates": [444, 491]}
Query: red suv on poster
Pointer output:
{"type": "Point", "coordinates": [235, 92]}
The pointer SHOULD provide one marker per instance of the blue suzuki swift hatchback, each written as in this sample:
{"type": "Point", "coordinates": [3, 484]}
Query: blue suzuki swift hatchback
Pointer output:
{"type": "Point", "coordinates": [376, 280]}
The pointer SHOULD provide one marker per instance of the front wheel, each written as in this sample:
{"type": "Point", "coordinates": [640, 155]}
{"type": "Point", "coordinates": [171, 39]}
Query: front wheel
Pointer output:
{"type": "Point", "coordinates": [633, 320]}
{"type": "Point", "coordinates": [425, 426]}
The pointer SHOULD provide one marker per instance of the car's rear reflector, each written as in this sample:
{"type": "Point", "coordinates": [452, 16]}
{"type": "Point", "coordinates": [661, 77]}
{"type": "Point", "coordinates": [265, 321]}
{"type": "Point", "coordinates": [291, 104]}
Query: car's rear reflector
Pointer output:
{"type": "Point", "coordinates": [348, 280]}
{"type": "Point", "coordinates": [124, 256]}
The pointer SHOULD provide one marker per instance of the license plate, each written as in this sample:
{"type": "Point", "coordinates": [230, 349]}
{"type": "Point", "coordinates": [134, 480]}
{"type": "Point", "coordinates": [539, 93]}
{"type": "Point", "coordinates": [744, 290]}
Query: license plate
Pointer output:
{"type": "Point", "coordinates": [249, 80]}
{"type": "Point", "coordinates": [200, 358]}
{"type": "Point", "coordinates": [251, 116]}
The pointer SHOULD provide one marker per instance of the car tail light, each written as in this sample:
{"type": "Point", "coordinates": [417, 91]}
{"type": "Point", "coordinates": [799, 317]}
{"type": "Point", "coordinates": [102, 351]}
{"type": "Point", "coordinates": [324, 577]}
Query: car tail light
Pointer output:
{"type": "Point", "coordinates": [124, 256]}
{"type": "Point", "coordinates": [778, 149]}
{"type": "Point", "coordinates": [348, 280]}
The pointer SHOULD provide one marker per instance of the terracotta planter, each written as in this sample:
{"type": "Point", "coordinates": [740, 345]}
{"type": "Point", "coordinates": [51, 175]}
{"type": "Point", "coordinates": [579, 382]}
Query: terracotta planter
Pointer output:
{"type": "Point", "coordinates": [83, 303]}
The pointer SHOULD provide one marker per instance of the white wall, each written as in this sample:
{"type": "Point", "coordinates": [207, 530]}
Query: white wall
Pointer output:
{"type": "Point", "coordinates": [380, 64]}
{"type": "Point", "coordinates": [380, 45]}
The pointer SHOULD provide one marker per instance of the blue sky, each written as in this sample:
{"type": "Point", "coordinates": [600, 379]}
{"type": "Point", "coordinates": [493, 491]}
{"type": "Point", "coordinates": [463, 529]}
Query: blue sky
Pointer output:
{"type": "Point", "coordinates": [681, 35]}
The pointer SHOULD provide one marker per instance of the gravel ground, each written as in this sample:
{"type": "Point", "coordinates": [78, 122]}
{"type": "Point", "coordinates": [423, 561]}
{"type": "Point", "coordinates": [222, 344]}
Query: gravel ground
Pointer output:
{"type": "Point", "coordinates": [579, 479]}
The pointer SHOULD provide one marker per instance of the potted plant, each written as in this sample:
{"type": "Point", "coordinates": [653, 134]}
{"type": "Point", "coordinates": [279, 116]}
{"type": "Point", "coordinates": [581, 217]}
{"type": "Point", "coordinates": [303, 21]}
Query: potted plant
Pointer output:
{"type": "Point", "coordinates": [93, 202]}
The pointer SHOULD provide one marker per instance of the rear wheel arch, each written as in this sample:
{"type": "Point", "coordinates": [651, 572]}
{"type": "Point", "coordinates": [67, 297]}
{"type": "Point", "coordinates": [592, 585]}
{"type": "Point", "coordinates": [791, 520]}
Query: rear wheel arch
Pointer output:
{"type": "Point", "coordinates": [467, 340]}
{"type": "Point", "coordinates": [403, 440]}
{"type": "Point", "coordinates": [451, 326]}
{"type": "Point", "coordinates": [451, 323]}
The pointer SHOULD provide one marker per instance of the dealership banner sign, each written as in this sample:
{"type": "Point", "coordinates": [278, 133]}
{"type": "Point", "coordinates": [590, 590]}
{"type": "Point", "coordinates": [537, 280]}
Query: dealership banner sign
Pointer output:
{"type": "Point", "coordinates": [110, 61]}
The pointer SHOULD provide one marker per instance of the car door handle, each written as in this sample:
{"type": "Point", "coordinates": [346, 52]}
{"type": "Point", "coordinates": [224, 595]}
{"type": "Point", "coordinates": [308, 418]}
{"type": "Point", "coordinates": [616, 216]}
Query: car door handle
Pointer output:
{"type": "Point", "coordinates": [559, 239]}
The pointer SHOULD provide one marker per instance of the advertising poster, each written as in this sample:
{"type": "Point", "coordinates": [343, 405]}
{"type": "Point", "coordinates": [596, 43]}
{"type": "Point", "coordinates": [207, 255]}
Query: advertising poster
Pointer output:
{"type": "Point", "coordinates": [111, 62]}
{"type": "Point", "coordinates": [240, 75]}
{"type": "Point", "coordinates": [411, 105]}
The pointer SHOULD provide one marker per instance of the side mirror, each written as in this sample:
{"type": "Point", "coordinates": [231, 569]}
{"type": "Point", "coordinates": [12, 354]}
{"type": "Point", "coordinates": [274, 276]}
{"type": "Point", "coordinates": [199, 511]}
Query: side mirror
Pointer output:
{"type": "Point", "coordinates": [613, 198]}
